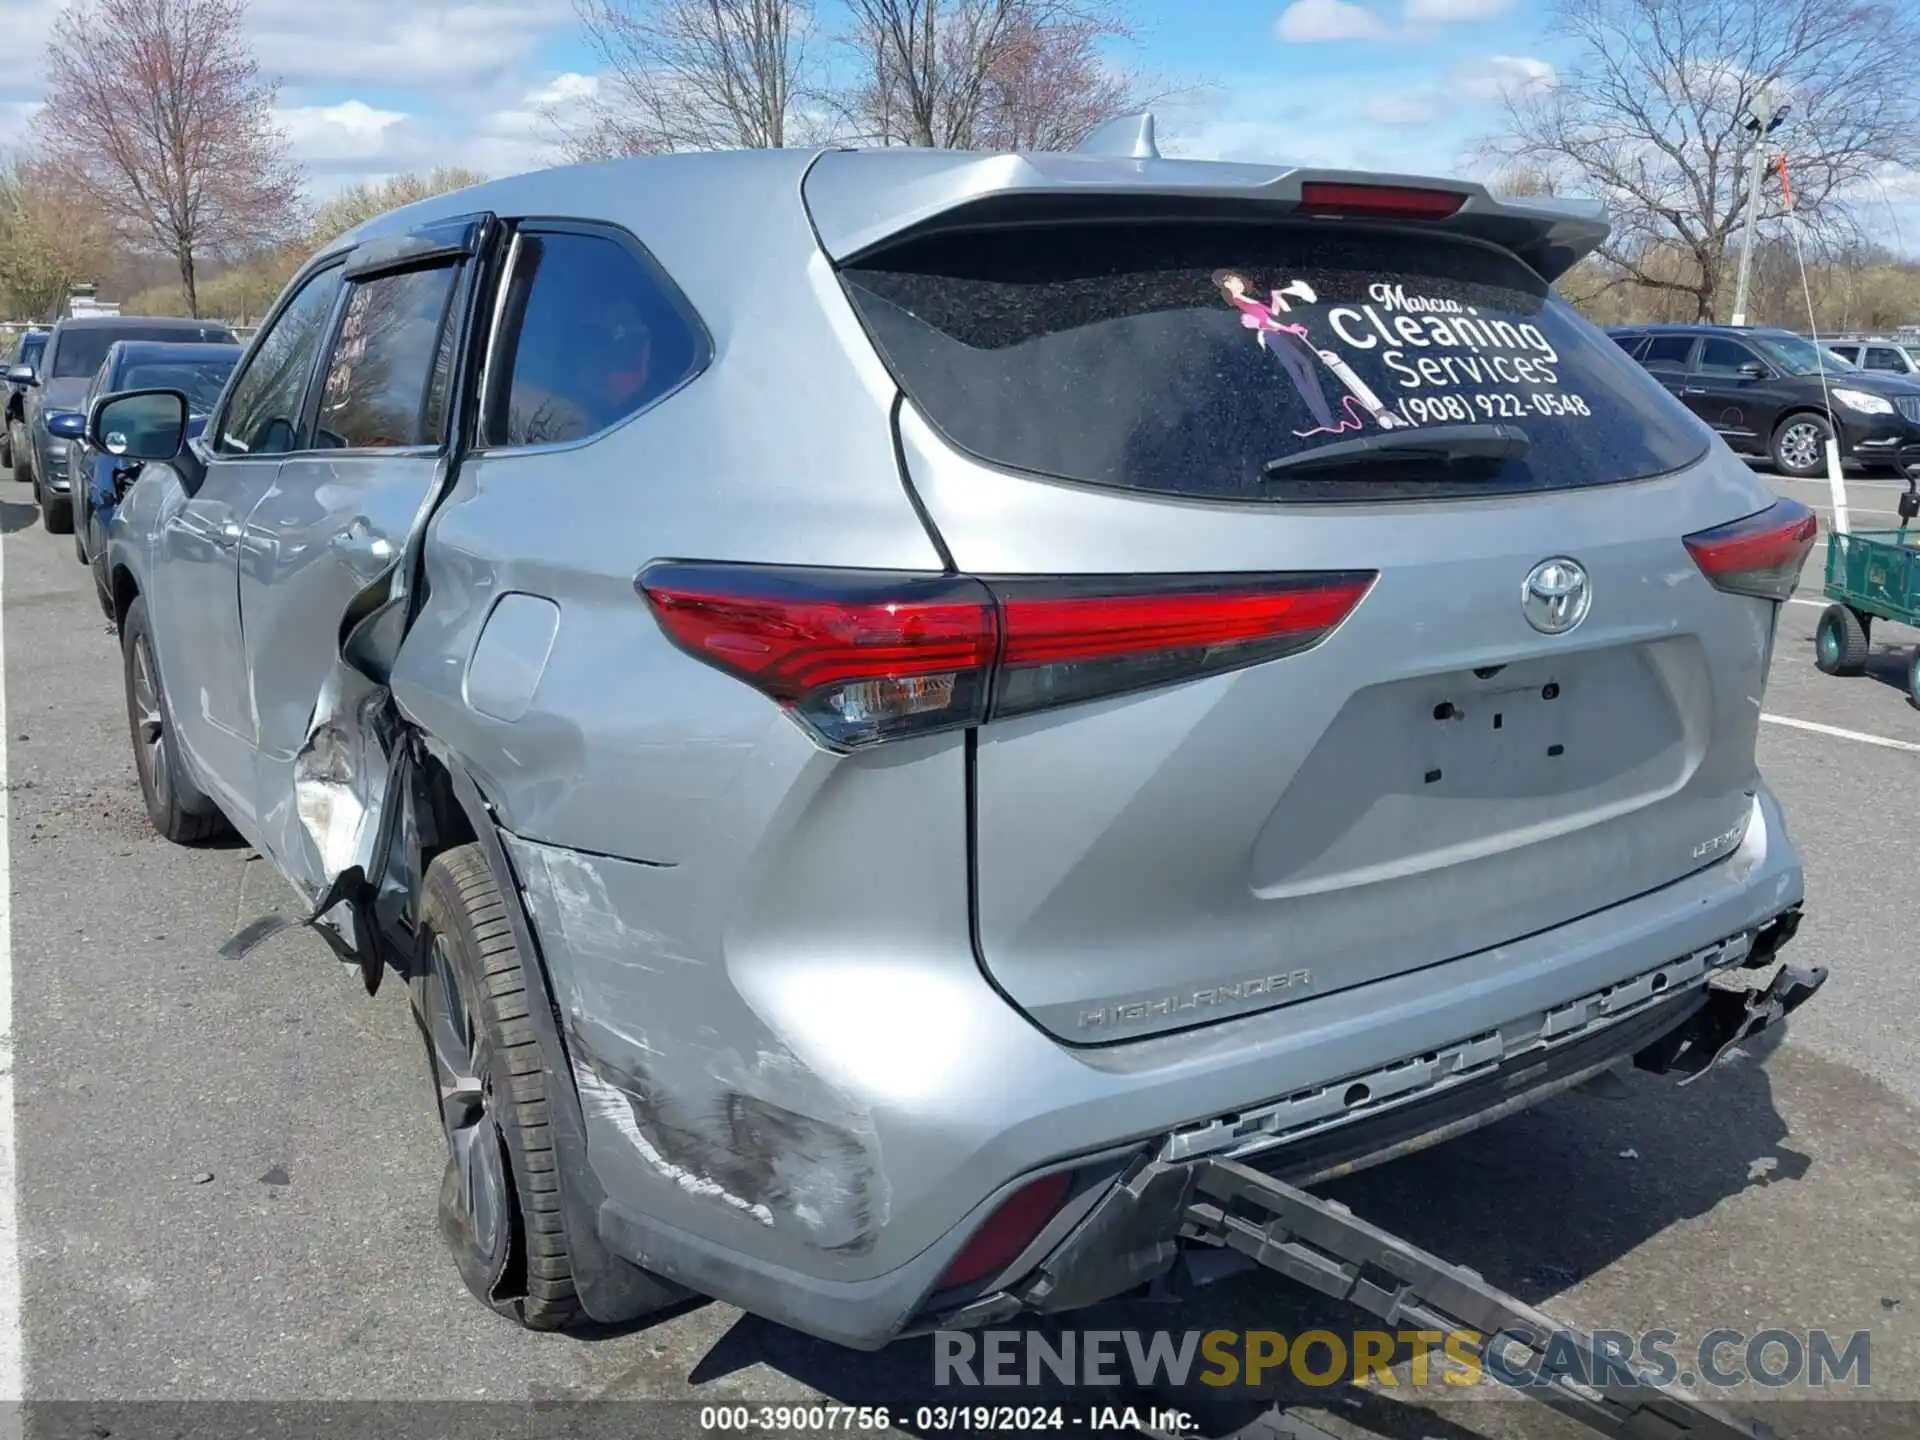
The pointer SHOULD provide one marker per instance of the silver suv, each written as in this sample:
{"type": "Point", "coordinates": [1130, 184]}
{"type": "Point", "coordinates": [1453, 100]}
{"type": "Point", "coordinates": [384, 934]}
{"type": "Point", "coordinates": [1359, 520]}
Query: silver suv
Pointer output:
{"type": "Point", "coordinates": [886, 703]}
{"type": "Point", "coordinates": [1875, 352]}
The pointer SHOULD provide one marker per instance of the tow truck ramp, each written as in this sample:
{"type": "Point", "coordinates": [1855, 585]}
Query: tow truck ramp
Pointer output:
{"type": "Point", "coordinates": [1324, 1246]}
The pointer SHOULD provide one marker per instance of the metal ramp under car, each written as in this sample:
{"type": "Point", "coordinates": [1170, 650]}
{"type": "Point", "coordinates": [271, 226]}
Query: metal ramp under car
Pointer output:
{"type": "Point", "coordinates": [1324, 1246]}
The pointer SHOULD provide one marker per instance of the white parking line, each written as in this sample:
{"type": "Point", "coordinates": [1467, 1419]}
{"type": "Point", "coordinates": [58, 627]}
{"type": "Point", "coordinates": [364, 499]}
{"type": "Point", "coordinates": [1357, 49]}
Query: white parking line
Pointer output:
{"type": "Point", "coordinates": [12, 1372]}
{"type": "Point", "coordinates": [1834, 730]}
{"type": "Point", "coordinates": [1800, 600]}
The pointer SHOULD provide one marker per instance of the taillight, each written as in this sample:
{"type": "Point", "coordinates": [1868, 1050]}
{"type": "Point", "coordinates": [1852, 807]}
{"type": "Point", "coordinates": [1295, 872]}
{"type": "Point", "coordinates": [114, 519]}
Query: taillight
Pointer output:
{"type": "Point", "coordinates": [867, 656]}
{"type": "Point", "coordinates": [859, 655]}
{"type": "Point", "coordinates": [1079, 639]}
{"type": "Point", "coordinates": [1377, 202]}
{"type": "Point", "coordinates": [1760, 555]}
{"type": "Point", "coordinates": [1009, 1230]}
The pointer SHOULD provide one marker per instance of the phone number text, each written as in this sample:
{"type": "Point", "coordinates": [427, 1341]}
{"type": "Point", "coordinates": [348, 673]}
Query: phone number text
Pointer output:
{"type": "Point", "coordinates": [1426, 410]}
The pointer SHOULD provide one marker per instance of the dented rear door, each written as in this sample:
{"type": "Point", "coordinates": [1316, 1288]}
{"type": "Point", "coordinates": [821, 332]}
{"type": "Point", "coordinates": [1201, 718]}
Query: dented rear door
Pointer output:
{"type": "Point", "coordinates": [326, 543]}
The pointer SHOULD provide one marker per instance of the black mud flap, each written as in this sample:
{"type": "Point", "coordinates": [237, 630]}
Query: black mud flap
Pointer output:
{"type": "Point", "coordinates": [1729, 1017]}
{"type": "Point", "coordinates": [1327, 1248]}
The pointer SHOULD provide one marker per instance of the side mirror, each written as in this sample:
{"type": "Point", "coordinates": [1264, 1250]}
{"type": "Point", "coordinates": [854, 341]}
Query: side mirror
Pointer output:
{"type": "Point", "coordinates": [139, 424]}
{"type": "Point", "coordinates": [21, 375]}
{"type": "Point", "coordinates": [1754, 370]}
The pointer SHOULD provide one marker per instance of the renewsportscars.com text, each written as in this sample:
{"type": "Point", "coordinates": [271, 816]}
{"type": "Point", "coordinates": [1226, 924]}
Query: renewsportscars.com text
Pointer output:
{"type": "Point", "coordinates": [1721, 1358]}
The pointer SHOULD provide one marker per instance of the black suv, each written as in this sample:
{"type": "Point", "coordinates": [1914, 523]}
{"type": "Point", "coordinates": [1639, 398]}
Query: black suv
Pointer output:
{"type": "Point", "coordinates": [1763, 390]}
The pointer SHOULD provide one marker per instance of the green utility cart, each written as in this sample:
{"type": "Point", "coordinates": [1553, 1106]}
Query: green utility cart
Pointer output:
{"type": "Point", "coordinates": [1871, 575]}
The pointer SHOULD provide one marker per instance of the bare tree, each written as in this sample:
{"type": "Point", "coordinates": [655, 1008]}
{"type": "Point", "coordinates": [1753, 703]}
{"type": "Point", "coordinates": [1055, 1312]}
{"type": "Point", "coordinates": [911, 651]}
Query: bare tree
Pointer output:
{"type": "Point", "coordinates": [986, 74]}
{"type": "Point", "coordinates": [157, 110]}
{"type": "Point", "coordinates": [49, 238]}
{"type": "Point", "coordinates": [357, 204]}
{"type": "Point", "coordinates": [694, 75]}
{"type": "Point", "coordinates": [1652, 114]}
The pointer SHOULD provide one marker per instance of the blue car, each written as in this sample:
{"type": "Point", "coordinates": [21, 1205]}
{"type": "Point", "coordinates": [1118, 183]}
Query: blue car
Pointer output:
{"type": "Point", "coordinates": [198, 371]}
{"type": "Point", "coordinates": [75, 349]}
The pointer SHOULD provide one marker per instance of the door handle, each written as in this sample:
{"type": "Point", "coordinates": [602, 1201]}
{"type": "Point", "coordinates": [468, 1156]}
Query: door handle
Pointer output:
{"type": "Point", "coordinates": [364, 552]}
{"type": "Point", "coordinates": [228, 535]}
{"type": "Point", "coordinates": [1696, 390]}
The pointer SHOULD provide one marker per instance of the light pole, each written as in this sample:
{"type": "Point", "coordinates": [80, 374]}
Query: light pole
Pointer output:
{"type": "Point", "coordinates": [1762, 122]}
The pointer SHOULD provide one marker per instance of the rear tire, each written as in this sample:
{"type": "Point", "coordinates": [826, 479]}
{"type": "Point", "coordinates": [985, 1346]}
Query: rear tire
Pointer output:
{"type": "Point", "coordinates": [1799, 445]}
{"type": "Point", "coordinates": [176, 807]}
{"type": "Point", "coordinates": [1913, 678]}
{"type": "Point", "coordinates": [1840, 643]}
{"type": "Point", "coordinates": [6, 448]}
{"type": "Point", "coordinates": [501, 1196]}
{"type": "Point", "coordinates": [56, 513]}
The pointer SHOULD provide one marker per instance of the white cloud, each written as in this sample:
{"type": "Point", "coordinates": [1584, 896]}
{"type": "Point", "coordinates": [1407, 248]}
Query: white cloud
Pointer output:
{"type": "Point", "coordinates": [1413, 107]}
{"type": "Point", "coordinates": [1446, 12]}
{"type": "Point", "coordinates": [352, 130]}
{"type": "Point", "coordinates": [1308, 21]}
{"type": "Point", "coordinates": [567, 89]}
{"type": "Point", "coordinates": [422, 43]}
{"type": "Point", "coordinates": [1497, 76]}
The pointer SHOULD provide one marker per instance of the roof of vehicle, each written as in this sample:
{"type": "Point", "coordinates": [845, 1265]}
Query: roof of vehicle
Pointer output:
{"type": "Point", "coordinates": [171, 350]}
{"type": "Point", "coordinates": [700, 212]}
{"type": "Point", "coordinates": [1702, 328]}
{"type": "Point", "coordinates": [145, 322]}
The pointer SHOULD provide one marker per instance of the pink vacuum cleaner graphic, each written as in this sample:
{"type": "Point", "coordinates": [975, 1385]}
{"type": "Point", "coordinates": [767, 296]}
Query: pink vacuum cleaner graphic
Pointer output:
{"type": "Point", "coordinates": [1292, 347]}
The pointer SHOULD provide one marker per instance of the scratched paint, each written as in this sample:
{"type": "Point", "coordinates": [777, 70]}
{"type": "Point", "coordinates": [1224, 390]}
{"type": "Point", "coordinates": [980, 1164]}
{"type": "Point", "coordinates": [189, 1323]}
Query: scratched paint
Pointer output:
{"type": "Point", "coordinates": [683, 1072]}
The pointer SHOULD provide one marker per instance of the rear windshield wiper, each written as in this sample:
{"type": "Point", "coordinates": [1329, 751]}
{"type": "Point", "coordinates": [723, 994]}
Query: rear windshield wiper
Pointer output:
{"type": "Point", "coordinates": [1433, 444]}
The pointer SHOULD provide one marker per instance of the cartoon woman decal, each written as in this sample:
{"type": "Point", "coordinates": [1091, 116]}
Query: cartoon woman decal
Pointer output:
{"type": "Point", "coordinates": [1290, 345]}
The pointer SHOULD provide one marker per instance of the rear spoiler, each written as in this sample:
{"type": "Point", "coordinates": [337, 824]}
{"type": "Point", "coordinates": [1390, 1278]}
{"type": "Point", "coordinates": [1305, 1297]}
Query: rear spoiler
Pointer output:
{"type": "Point", "coordinates": [863, 202]}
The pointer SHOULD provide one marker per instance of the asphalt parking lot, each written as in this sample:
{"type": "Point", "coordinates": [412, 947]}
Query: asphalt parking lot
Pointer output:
{"type": "Point", "coordinates": [225, 1171]}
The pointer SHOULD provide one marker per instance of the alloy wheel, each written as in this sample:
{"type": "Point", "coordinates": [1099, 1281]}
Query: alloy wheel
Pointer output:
{"type": "Point", "coordinates": [1800, 445]}
{"type": "Point", "coordinates": [149, 722]}
{"type": "Point", "coordinates": [475, 1205]}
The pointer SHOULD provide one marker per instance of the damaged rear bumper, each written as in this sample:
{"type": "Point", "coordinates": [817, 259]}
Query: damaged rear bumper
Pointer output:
{"type": "Point", "coordinates": [819, 1153]}
{"type": "Point", "coordinates": [1133, 1235]}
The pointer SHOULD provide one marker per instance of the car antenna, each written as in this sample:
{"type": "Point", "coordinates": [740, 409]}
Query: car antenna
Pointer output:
{"type": "Point", "coordinates": [1125, 137]}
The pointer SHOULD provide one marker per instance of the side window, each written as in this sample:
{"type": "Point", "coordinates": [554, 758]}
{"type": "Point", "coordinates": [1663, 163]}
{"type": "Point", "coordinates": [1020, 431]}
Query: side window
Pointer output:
{"type": "Point", "coordinates": [263, 409]}
{"type": "Point", "coordinates": [590, 334]}
{"type": "Point", "coordinates": [387, 363]}
{"type": "Point", "coordinates": [1847, 352]}
{"type": "Point", "coordinates": [1632, 344]}
{"type": "Point", "coordinates": [1724, 357]}
{"type": "Point", "coordinates": [1668, 350]}
{"type": "Point", "coordinates": [1884, 357]}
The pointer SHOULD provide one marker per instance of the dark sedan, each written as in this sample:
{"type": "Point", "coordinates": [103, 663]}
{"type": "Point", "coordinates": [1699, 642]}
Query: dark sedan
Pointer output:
{"type": "Point", "coordinates": [198, 371]}
{"type": "Point", "coordinates": [53, 419]}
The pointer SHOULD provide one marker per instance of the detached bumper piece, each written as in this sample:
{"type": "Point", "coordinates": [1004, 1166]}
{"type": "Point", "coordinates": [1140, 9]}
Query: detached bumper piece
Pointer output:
{"type": "Point", "coordinates": [1327, 1248]}
{"type": "Point", "coordinates": [1729, 1017]}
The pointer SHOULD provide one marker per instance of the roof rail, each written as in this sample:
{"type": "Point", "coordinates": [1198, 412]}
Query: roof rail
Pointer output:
{"type": "Point", "coordinates": [1125, 137]}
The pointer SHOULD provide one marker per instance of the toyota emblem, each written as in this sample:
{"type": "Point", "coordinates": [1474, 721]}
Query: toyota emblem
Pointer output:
{"type": "Point", "coordinates": [1556, 596]}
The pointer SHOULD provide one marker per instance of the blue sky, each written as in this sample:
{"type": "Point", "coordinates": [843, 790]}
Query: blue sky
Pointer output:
{"type": "Point", "coordinates": [370, 87]}
{"type": "Point", "coordinates": [374, 87]}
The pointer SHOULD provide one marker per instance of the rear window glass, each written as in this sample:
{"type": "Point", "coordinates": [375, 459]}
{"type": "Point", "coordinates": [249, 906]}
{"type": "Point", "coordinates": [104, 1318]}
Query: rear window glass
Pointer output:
{"type": "Point", "coordinates": [81, 351]}
{"type": "Point", "coordinates": [202, 380]}
{"type": "Point", "coordinates": [1182, 358]}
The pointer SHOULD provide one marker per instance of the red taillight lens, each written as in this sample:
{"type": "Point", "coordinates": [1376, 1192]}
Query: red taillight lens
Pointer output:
{"type": "Point", "coordinates": [1075, 640]}
{"type": "Point", "coordinates": [866, 656]}
{"type": "Point", "coordinates": [1009, 1230]}
{"type": "Point", "coordinates": [1378, 202]}
{"type": "Point", "coordinates": [1761, 555]}
{"type": "Point", "coordinates": [860, 655]}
